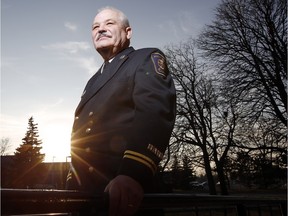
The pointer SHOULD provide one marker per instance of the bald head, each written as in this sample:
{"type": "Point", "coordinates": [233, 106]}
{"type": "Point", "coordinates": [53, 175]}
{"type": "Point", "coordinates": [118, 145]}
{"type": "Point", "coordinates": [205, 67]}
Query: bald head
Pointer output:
{"type": "Point", "coordinates": [111, 32]}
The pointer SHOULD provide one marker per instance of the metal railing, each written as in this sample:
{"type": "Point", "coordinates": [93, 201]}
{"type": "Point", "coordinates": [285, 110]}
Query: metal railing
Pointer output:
{"type": "Point", "coordinates": [63, 202]}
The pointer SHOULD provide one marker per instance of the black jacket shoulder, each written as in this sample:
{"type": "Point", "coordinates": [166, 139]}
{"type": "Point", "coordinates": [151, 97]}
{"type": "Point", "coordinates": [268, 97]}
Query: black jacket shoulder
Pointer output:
{"type": "Point", "coordinates": [148, 50]}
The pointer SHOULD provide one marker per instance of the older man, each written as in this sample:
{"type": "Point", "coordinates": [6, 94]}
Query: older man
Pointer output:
{"type": "Point", "coordinates": [124, 120]}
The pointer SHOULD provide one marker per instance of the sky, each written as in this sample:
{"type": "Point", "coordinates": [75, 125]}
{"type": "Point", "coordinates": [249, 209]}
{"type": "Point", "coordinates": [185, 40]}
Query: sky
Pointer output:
{"type": "Point", "coordinates": [47, 56]}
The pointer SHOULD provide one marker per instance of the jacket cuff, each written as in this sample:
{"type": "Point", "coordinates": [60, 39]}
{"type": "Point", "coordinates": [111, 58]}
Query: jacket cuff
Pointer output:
{"type": "Point", "coordinates": [139, 171]}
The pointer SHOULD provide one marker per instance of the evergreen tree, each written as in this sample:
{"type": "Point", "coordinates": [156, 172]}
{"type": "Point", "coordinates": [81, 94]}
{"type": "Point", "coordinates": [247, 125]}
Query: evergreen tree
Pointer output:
{"type": "Point", "coordinates": [28, 157]}
{"type": "Point", "coordinates": [187, 172]}
{"type": "Point", "coordinates": [176, 170]}
{"type": "Point", "coordinates": [182, 173]}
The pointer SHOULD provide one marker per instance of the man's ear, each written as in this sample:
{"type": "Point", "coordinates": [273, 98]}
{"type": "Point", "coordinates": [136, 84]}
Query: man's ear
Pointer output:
{"type": "Point", "coordinates": [129, 32]}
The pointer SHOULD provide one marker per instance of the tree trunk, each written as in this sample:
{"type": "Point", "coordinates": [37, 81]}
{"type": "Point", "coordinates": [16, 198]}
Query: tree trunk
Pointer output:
{"type": "Point", "coordinates": [208, 170]}
{"type": "Point", "coordinates": [222, 180]}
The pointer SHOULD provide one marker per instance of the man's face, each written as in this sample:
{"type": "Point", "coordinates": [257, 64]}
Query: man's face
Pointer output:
{"type": "Point", "coordinates": [108, 32]}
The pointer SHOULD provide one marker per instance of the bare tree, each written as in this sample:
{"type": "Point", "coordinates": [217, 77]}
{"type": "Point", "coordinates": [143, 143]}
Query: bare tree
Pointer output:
{"type": "Point", "coordinates": [189, 135]}
{"type": "Point", "coordinates": [264, 140]}
{"type": "Point", "coordinates": [248, 43]}
{"type": "Point", "coordinates": [5, 146]}
{"type": "Point", "coordinates": [205, 122]}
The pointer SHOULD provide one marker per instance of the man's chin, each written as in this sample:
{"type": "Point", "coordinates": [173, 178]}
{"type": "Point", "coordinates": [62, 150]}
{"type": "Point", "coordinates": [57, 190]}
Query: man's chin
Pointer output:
{"type": "Point", "coordinates": [103, 48]}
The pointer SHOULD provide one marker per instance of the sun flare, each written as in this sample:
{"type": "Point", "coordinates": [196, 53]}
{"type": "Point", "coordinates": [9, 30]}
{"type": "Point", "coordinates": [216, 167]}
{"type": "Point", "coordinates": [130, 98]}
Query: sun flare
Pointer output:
{"type": "Point", "coordinates": [56, 144]}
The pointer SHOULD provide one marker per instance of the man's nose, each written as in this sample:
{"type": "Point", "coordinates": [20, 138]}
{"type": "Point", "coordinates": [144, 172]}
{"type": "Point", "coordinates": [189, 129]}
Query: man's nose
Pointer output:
{"type": "Point", "coordinates": [101, 28]}
{"type": "Point", "coordinates": [100, 31]}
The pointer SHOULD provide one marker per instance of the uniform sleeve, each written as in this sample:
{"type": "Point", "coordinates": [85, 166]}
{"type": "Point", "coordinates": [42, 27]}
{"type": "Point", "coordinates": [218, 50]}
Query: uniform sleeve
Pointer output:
{"type": "Point", "coordinates": [155, 104]}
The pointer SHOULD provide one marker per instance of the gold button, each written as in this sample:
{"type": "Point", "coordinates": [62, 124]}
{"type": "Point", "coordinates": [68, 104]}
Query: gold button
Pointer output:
{"type": "Point", "coordinates": [91, 169]}
{"type": "Point", "coordinates": [90, 123]}
{"type": "Point", "coordinates": [90, 113]}
{"type": "Point", "coordinates": [88, 130]}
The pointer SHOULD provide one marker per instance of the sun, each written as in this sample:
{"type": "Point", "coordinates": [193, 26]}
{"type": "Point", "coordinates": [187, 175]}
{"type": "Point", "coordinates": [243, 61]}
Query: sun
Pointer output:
{"type": "Point", "coordinates": [56, 143]}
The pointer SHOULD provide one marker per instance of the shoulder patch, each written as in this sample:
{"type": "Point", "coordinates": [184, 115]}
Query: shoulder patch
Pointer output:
{"type": "Point", "coordinates": [159, 64]}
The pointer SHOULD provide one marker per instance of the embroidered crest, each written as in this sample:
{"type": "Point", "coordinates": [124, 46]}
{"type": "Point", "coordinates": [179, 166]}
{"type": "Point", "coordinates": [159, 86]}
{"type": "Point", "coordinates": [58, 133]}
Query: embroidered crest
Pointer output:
{"type": "Point", "coordinates": [155, 151]}
{"type": "Point", "coordinates": [159, 64]}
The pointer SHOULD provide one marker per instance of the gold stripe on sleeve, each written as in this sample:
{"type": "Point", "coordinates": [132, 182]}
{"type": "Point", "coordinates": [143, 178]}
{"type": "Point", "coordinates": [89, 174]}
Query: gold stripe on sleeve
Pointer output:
{"type": "Point", "coordinates": [141, 158]}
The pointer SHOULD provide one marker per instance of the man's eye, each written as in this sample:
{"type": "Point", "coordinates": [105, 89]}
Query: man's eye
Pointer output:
{"type": "Point", "coordinates": [95, 27]}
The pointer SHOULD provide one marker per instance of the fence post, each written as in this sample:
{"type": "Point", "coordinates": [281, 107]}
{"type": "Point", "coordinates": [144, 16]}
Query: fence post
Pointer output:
{"type": "Point", "coordinates": [241, 210]}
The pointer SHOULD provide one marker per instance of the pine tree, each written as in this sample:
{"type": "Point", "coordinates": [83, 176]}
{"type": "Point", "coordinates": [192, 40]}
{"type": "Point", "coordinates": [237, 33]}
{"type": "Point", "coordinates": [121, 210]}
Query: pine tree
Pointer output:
{"type": "Point", "coordinates": [28, 157]}
{"type": "Point", "coordinates": [176, 170]}
{"type": "Point", "coordinates": [187, 172]}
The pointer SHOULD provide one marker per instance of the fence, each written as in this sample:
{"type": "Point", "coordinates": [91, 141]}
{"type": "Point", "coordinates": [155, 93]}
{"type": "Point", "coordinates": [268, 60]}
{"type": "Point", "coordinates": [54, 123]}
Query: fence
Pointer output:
{"type": "Point", "coordinates": [61, 202]}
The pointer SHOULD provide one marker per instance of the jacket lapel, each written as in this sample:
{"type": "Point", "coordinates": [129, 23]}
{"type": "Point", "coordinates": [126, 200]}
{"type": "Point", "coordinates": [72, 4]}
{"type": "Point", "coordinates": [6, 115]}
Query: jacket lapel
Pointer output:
{"type": "Point", "coordinates": [109, 72]}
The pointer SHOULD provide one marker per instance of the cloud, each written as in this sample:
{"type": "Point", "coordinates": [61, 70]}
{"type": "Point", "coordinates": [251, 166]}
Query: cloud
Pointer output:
{"type": "Point", "coordinates": [51, 118]}
{"type": "Point", "coordinates": [89, 64]}
{"type": "Point", "coordinates": [190, 23]}
{"type": "Point", "coordinates": [71, 26]}
{"type": "Point", "coordinates": [71, 51]}
{"type": "Point", "coordinates": [8, 62]}
{"type": "Point", "coordinates": [184, 24]}
{"type": "Point", "coordinates": [171, 27]}
{"type": "Point", "coordinates": [13, 128]}
{"type": "Point", "coordinates": [69, 46]}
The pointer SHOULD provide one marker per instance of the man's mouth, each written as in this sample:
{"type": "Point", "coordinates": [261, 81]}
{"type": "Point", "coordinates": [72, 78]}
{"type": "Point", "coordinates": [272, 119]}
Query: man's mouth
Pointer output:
{"type": "Point", "coordinates": [103, 35]}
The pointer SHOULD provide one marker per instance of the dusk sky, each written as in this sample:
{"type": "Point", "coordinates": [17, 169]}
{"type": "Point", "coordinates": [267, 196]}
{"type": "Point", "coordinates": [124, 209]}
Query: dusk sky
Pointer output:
{"type": "Point", "coordinates": [47, 56]}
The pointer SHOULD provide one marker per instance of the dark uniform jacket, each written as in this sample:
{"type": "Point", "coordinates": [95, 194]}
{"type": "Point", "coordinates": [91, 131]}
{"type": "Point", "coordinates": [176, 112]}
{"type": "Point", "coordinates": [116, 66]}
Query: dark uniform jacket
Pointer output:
{"type": "Point", "coordinates": [124, 121]}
